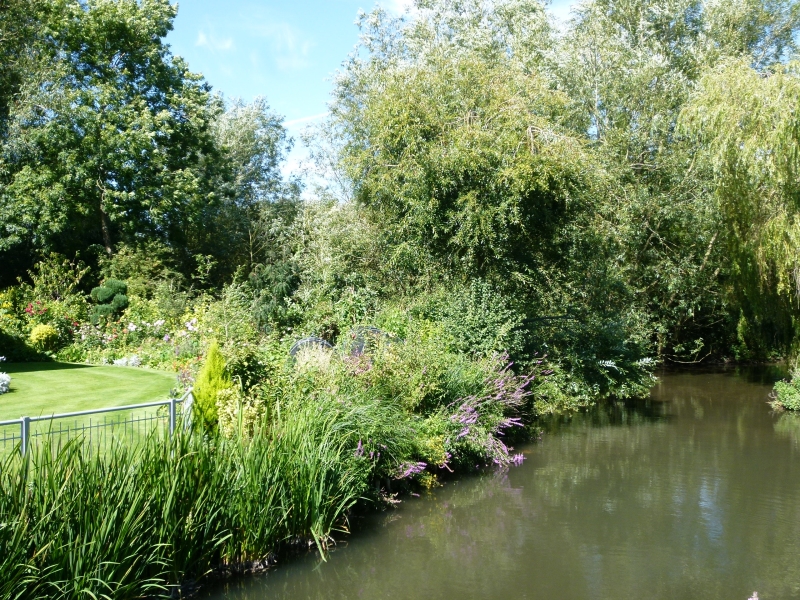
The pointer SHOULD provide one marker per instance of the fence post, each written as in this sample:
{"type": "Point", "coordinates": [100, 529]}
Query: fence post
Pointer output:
{"type": "Point", "coordinates": [25, 434]}
{"type": "Point", "coordinates": [188, 406]}
{"type": "Point", "coordinates": [172, 402]}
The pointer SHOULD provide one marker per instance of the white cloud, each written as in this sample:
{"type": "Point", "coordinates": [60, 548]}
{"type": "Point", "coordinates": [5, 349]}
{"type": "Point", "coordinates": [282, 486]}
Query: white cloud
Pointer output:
{"type": "Point", "coordinates": [290, 49]}
{"type": "Point", "coordinates": [302, 120]}
{"type": "Point", "coordinates": [212, 42]}
{"type": "Point", "coordinates": [400, 6]}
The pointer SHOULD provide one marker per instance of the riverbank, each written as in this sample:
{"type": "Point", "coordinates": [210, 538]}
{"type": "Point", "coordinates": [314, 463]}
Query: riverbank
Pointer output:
{"type": "Point", "coordinates": [325, 433]}
{"type": "Point", "coordinates": [691, 492]}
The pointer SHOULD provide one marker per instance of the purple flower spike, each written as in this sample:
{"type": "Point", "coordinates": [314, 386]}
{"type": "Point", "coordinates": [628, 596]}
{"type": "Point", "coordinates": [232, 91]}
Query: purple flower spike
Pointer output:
{"type": "Point", "coordinates": [359, 450]}
{"type": "Point", "coordinates": [409, 469]}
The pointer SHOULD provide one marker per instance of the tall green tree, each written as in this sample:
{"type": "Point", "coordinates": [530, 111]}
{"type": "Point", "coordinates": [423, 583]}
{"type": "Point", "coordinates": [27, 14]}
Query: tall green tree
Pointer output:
{"type": "Point", "coordinates": [463, 159]}
{"type": "Point", "coordinates": [746, 122]}
{"type": "Point", "coordinates": [110, 139]}
{"type": "Point", "coordinates": [628, 69]}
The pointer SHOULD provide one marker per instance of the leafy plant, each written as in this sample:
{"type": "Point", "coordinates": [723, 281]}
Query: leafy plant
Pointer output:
{"type": "Point", "coordinates": [212, 379]}
{"type": "Point", "coordinates": [786, 394]}
{"type": "Point", "coordinates": [44, 337]}
{"type": "Point", "coordinates": [110, 298]}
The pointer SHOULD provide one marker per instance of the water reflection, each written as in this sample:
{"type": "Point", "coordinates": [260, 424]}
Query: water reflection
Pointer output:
{"type": "Point", "coordinates": [694, 493]}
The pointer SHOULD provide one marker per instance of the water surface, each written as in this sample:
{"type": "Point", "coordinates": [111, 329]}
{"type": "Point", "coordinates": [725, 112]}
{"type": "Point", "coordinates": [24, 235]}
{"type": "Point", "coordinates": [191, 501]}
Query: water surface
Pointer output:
{"type": "Point", "coordinates": [693, 493]}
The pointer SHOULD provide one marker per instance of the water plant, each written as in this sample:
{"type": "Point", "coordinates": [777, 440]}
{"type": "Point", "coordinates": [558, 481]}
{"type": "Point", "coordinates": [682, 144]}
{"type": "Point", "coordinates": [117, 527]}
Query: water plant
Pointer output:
{"type": "Point", "coordinates": [154, 518]}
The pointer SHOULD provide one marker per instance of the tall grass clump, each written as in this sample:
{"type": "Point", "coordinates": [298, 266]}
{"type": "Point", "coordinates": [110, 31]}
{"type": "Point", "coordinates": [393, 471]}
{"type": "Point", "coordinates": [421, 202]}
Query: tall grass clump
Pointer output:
{"type": "Point", "coordinates": [147, 520]}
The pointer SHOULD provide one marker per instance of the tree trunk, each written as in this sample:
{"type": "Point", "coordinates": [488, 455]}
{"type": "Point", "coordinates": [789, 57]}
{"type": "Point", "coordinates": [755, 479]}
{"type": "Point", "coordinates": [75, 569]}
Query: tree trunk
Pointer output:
{"type": "Point", "coordinates": [105, 226]}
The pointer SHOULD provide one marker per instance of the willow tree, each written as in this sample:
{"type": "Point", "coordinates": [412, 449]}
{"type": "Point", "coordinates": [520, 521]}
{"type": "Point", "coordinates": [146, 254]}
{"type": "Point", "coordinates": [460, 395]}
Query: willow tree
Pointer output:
{"type": "Point", "coordinates": [628, 69]}
{"type": "Point", "coordinates": [748, 124]}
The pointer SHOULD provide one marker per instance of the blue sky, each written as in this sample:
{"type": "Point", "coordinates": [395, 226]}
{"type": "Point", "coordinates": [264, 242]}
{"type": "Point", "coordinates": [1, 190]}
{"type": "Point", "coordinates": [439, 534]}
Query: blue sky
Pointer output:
{"type": "Point", "coordinates": [284, 50]}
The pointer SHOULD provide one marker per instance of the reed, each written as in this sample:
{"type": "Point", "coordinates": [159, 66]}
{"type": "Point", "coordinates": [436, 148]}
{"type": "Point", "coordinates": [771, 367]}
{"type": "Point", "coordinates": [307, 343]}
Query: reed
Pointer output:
{"type": "Point", "coordinates": [146, 520]}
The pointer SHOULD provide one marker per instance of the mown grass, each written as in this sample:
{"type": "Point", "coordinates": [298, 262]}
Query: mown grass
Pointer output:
{"type": "Point", "coordinates": [45, 388]}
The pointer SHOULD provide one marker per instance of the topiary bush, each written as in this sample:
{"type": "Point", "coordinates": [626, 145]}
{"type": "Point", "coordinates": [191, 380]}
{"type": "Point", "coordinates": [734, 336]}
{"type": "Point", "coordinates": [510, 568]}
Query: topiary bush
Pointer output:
{"type": "Point", "coordinates": [44, 337]}
{"type": "Point", "coordinates": [111, 300]}
{"type": "Point", "coordinates": [212, 379]}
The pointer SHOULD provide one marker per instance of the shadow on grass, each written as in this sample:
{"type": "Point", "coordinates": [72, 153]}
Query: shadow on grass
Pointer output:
{"type": "Point", "coordinates": [30, 367]}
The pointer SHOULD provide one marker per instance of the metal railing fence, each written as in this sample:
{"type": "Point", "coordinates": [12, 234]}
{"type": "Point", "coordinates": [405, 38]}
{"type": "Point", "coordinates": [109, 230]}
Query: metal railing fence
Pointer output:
{"type": "Point", "coordinates": [132, 421]}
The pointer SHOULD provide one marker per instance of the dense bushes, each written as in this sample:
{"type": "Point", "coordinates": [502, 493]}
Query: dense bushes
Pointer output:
{"type": "Point", "coordinates": [787, 393]}
{"type": "Point", "coordinates": [315, 436]}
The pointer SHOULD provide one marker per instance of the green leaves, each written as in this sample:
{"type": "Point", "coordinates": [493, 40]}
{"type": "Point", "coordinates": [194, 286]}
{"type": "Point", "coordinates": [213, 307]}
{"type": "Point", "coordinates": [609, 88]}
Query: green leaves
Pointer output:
{"type": "Point", "coordinates": [116, 143]}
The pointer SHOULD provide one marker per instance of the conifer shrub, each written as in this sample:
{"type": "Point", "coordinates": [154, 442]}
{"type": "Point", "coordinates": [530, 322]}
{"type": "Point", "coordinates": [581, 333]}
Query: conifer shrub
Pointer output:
{"type": "Point", "coordinates": [111, 300]}
{"type": "Point", "coordinates": [212, 379]}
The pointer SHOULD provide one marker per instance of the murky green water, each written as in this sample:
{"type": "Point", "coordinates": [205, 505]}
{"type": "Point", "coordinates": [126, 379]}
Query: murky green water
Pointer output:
{"type": "Point", "coordinates": [692, 494]}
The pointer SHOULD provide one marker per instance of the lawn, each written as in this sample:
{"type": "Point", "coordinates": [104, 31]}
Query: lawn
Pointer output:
{"type": "Point", "coordinates": [47, 388]}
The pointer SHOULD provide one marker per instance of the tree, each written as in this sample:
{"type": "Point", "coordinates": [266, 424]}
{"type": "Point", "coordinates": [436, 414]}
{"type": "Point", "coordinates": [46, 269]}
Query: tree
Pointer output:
{"type": "Point", "coordinates": [258, 204]}
{"type": "Point", "coordinates": [455, 146]}
{"type": "Point", "coordinates": [463, 160]}
{"type": "Point", "coordinates": [748, 125]}
{"type": "Point", "coordinates": [111, 138]}
{"type": "Point", "coordinates": [628, 69]}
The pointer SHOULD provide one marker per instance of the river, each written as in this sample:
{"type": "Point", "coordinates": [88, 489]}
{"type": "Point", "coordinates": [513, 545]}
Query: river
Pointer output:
{"type": "Point", "coordinates": [692, 493]}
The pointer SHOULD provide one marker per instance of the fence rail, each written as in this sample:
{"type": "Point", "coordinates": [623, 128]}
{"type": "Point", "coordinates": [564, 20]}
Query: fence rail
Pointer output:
{"type": "Point", "coordinates": [134, 421]}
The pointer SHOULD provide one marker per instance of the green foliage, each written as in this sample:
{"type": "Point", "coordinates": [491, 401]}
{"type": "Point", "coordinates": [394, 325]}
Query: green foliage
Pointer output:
{"type": "Point", "coordinates": [483, 321]}
{"type": "Point", "coordinates": [751, 144]}
{"type": "Point", "coordinates": [110, 298]}
{"type": "Point", "coordinates": [212, 379]}
{"type": "Point", "coordinates": [469, 169]}
{"type": "Point", "coordinates": [123, 145]}
{"type": "Point", "coordinates": [44, 337]}
{"type": "Point", "coordinates": [787, 393]}
{"type": "Point", "coordinates": [106, 178]}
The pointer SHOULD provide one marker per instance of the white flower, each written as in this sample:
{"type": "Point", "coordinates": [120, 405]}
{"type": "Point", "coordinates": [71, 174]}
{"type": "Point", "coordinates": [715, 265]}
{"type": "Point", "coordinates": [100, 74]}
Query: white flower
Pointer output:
{"type": "Point", "coordinates": [5, 382]}
{"type": "Point", "coordinates": [131, 327]}
{"type": "Point", "coordinates": [2, 359]}
{"type": "Point", "coordinates": [159, 323]}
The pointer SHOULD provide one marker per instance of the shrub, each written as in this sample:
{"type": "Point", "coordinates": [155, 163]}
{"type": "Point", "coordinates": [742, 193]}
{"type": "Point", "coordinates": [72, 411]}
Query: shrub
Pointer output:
{"type": "Point", "coordinates": [787, 393]}
{"type": "Point", "coordinates": [5, 382]}
{"type": "Point", "coordinates": [482, 321]}
{"type": "Point", "coordinates": [111, 299]}
{"type": "Point", "coordinates": [212, 379]}
{"type": "Point", "coordinates": [44, 337]}
{"type": "Point", "coordinates": [15, 348]}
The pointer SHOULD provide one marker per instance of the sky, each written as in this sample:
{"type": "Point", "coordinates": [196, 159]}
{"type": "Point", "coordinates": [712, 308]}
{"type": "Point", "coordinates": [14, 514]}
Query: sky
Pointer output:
{"type": "Point", "coordinates": [283, 50]}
